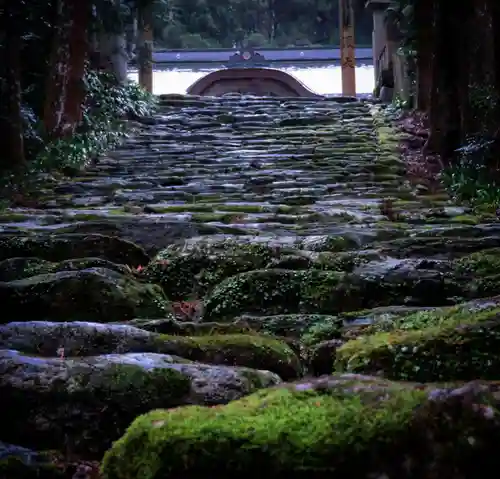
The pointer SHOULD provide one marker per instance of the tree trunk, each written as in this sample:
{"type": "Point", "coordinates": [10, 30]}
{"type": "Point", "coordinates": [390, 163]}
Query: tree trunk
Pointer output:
{"type": "Point", "coordinates": [424, 20]}
{"type": "Point", "coordinates": [444, 113]}
{"type": "Point", "coordinates": [78, 53]}
{"type": "Point", "coordinates": [56, 79]}
{"type": "Point", "coordinates": [113, 53]}
{"type": "Point", "coordinates": [11, 123]}
{"type": "Point", "coordinates": [145, 46]}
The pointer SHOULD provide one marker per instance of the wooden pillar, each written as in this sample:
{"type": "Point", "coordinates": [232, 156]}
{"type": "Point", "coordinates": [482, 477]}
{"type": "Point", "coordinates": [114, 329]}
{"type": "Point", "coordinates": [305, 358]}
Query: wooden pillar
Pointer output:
{"type": "Point", "coordinates": [145, 46]}
{"type": "Point", "coordinates": [347, 48]}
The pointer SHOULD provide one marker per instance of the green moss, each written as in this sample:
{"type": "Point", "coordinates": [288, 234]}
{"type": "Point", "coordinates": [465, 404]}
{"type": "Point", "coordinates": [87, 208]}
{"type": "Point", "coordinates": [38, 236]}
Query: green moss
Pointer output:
{"type": "Point", "coordinates": [60, 247]}
{"type": "Point", "coordinates": [277, 291]}
{"type": "Point", "coordinates": [291, 325]}
{"type": "Point", "coordinates": [323, 330]}
{"type": "Point", "coordinates": [483, 263]}
{"type": "Point", "coordinates": [446, 344]}
{"type": "Point", "coordinates": [466, 219]}
{"type": "Point", "coordinates": [171, 326]}
{"type": "Point", "coordinates": [89, 408]}
{"type": "Point", "coordinates": [95, 294]}
{"type": "Point", "coordinates": [19, 268]}
{"type": "Point", "coordinates": [346, 428]}
{"type": "Point", "coordinates": [15, 468]}
{"type": "Point", "coordinates": [184, 275]}
{"type": "Point", "coordinates": [342, 261]}
{"type": "Point", "coordinates": [250, 350]}
{"type": "Point", "coordinates": [13, 217]}
{"type": "Point", "coordinates": [214, 218]}
{"type": "Point", "coordinates": [479, 272]}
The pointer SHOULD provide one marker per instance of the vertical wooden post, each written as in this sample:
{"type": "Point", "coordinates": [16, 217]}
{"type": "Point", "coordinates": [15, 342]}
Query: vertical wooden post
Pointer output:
{"type": "Point", "coordinates": [347, 48]}
{"type": "Point", "coordinates": [145, 47]}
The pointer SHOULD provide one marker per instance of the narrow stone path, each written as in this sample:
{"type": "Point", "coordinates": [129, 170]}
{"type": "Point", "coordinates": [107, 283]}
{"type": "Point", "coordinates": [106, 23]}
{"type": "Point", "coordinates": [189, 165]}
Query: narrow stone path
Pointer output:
{"type": "Point", "coordinates": [231, 245]}
{"type": "Point", "coordinates": [244, 167]}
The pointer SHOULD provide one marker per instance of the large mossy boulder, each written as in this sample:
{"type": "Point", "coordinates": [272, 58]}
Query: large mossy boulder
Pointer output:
{"type": "Point", "coordinates": [24, 267]}
{"type": "Point", "coordinates": [480, 272]}
{"type": "Point", "coordinates": [83, 404]}
{"type": "Point", "coordinates": [60, 247]}
{"type": "Point", "coordinates": [183, 273]}
{"type": "Point", "coordinates": [250, 350]}
{"type": "Point", "coordinates": [80, 339]}
{"type": "Point", "coordinates": [456, 343]}
{"type": "Point", "coordinates": [346, 426]}
{"type": "Point", "coordinates": [93, 294]}
{"type": "Point", "coordinates": [278, 291]}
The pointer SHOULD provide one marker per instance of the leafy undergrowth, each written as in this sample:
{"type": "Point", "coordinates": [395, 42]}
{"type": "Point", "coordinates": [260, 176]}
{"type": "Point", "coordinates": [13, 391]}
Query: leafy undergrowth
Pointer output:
{"type": "Point", "coordinates": [107, 105]}
{"type": "Point", "coordinates": [473, 180]}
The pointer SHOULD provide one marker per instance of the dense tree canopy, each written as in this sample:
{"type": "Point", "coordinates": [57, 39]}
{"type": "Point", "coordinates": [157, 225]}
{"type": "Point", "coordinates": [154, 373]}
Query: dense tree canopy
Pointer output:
{"type": "Point", "coordinates": [223, 23]}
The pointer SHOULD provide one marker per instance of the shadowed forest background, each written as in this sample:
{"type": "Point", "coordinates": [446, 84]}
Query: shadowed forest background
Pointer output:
{"type": "Point", "coordinates": [224, 23]}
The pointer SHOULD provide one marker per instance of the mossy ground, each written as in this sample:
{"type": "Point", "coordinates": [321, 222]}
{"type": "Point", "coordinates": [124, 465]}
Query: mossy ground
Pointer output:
{"type": "Point", "coordinates": [284, 430]}
{"type": "Point", "coordinates": [250, 350]}
{"type": "Point", "coordinates": [447, 344]}
{"type": "Point", "coordinates": [350, 427]}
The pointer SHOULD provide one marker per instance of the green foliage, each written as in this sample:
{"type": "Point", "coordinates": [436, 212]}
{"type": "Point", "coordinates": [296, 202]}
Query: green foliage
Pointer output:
{"type": "Point", "coordinates": [224, 23]}
{"type": "Point", "coordinates": [470, 179]}
{"type": "Point", "coordinates": [107, 104]}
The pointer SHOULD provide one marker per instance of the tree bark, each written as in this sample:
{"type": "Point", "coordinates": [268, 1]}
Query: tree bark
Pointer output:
{"type": "Point", "coordinates": [56, 79]}
{"type": "Point", "coordinates": [11, 122]}
{"type": "Point", "coordinates": [424, 20]}
{"type": "Point", "coordinates": [145, 46]}
{"type": "Point", "coordinates": [79, 14]}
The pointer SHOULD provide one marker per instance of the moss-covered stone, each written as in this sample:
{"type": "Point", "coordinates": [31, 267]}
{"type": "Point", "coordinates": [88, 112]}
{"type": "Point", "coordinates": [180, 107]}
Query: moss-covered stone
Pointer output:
{"type": "Point", "coordinates": [191, 274]}
{"type": "Point", "coordinates": [277, 291]}
{"type": "Point", "coordinates": [329, 243]}
{"type": "Point", "coordinates": [300, 326]}
{"type": "Point", "coordinates": [60, 247]}
{"type": "Point", "coordinates": [346, 426]}
{"type": "Point", "coordinates": [84, 339]}
{"type": "Point", "coordinates": [446, 344]}
{"type": "Point", "coordinates": [19, 268]}
{"type": "Point", "coordinates": [170, 325]}
{"type": "Point", "coordinates": [479, 272]}
{"type": "Point", "coordinates": [86, 408]}
{"type": "Point", "coordinates": [94, 294]}
{"type": "Point", "coordinates": [82, 404]}
{"type": "Point", "coordinates": [250, 350]}
{"type": "Point", "coordinates": [13, 467]}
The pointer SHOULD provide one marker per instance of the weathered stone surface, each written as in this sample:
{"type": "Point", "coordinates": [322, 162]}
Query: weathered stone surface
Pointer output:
{"type": "Point", "coordinates": [350, 426]}
{"type": "Point", "coordinates": [20, 268]}
{"type": "Point", "coordinates": [86, 403]}
{"type": "Point", "coordinates": [457, 343]}
{"type": "Point", "coordinates": [68, 246]}
{"type": "Point", "coordinates": [95, 294]}
{"type": "Point", "coordinates": [78, 339]}
{"type": "Point", "coordinates": [274, 291]}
